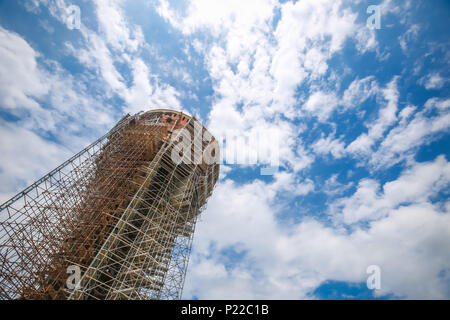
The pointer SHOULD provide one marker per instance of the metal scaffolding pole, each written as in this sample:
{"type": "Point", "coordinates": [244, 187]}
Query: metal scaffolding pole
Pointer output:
{"type": "Point", "coordinates": [121, 210]}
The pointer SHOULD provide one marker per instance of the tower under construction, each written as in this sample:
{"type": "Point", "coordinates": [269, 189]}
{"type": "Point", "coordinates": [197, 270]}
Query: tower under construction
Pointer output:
{"type": "Point", "coordinates": [116, 221]}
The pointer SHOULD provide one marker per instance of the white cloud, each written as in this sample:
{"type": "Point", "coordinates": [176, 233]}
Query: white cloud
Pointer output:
{"type": "Point", "coordinates": [399, 134]}
{"type": "Point", "coordinates": [409, 37]}
{"type": "Point", "coordinates": [97, 56]}
{"type": "Point", "coordinates": [307, 35]}
{"type": "Point", "coordinates": [411, 133]}
{"type": "Point", "coordinates": [70, 113]}
{"type": "Point", "coordinates": [126, 40]}
{"type": "Point", "coordinates": [433, 81]}
{"type": "Point", "coordinates": [359, 91]}
{"type": "Point", "coordinates": [46, 26]}
{"type": "Point", "coordinates": [329, 145]}
{"type": "Point", "coordinates": [217, 16]}
{"type": "Point", "coordinates": [117, 41]}
{"type": "Point", "coordinates": [25, 157]}
{"type": "Point", "coordinates": [116, 30]}
{"type": "Point", "coordinates": [407, 245]}
{"type": "Point", "coordinates": [353, 98]}
{"type": "Point", "coordinates": [321, 104]}
{"type": "Point", "coordinates": [415, 185]}
{"type": "Point", "coordinates": [142, 95]}
{"type": "Point", "coordinates": [248, 93]}
{"type": "Point", "coordinates": [386, 118]}
{"type": "Point", "coordinates": [333, 187]}
{"type": "Point", "coordinates": [253, 90]}
{"type": "Point", "coordinates": [33, 82]}
{"type": "Point", "coordinates": [289, 260]}
{"type": "Point", "coordinates": [24, 82]}
{"type": "Point", "coordinates": [247, 223]}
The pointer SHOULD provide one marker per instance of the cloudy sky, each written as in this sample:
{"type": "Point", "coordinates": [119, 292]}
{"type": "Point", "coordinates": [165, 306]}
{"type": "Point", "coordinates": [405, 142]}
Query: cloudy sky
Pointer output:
{"type": "Point", "coordinates": [363, 117]}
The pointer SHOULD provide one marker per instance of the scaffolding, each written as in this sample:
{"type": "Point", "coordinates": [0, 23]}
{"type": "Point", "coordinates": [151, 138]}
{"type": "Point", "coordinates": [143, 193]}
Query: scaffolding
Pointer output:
{"type": "Point", "coordinates": [121, 211]}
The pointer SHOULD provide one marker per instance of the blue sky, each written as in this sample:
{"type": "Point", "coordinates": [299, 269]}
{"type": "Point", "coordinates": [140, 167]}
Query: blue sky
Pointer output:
{"type": "Point", "coordinates": [362, 115]}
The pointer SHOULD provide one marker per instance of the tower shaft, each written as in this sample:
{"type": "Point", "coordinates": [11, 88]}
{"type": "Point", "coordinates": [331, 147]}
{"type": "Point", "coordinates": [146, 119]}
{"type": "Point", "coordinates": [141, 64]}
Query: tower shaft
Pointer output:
{"type": "Point", "coordinates": [121, 212]}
